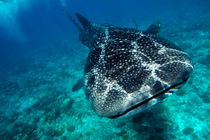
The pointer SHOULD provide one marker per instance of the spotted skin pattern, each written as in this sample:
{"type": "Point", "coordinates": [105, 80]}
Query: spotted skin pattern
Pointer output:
{"type": "Point", "coordinates": [126, 67]}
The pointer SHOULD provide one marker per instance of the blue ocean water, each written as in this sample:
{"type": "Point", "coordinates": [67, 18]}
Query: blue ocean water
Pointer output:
{"type": "Point", "coordinates": [41, 58]}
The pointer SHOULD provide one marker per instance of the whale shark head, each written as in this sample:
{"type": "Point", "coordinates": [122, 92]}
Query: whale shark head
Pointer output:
{"type": "Point", "coordinates": [129, 70]}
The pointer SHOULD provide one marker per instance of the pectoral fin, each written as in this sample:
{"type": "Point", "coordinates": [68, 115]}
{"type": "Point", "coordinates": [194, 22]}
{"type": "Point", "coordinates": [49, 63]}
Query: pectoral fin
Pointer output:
{"type": "Point", "coordinates": [78, 85]}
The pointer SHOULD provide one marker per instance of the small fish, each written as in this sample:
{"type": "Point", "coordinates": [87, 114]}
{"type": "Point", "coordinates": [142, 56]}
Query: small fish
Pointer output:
{"type": "Point", "coordinates": [129, 70]}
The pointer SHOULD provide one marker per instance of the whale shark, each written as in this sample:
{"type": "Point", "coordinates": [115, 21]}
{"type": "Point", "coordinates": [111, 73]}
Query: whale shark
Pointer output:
{"type": "Point", "coordinates": [129, 70]}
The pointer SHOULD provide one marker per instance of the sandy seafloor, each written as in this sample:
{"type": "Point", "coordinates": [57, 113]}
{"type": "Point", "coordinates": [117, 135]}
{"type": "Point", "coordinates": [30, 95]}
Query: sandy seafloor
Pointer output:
{"type": "Point", "coordinates": [37, 101]}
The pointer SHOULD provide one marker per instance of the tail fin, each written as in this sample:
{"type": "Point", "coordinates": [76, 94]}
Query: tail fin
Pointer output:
{"type": "Point", "coordinates": [85, 22]}
{"type": "Point", "coordinates": [73, 21]}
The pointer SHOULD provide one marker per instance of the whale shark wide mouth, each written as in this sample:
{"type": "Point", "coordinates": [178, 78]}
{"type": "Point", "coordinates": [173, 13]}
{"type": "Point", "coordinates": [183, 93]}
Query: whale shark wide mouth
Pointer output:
{"type": "Point", "coordinates": [170, 89]}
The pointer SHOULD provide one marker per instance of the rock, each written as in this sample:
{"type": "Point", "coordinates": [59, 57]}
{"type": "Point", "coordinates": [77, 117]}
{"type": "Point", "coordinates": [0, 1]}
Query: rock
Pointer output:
{"type": "Point", "coordinates": [71, 128]}
{"type": "Point", "coordinates": [188, 130]}
{"type": "Point", "coordinates": [125, 137]}
{"type": "Point", "coordinates": [180, 92]}
{"type": "Point", "coordinates": [205, 98]}
{"type": "Point", "coordinates": [29, 130]}
{"type": "Point", "coordinates": [121, 133]}
{"type": "Point", "coordinates": [159, 130]}
{"type": "Point", "coordinates": [186, 44]}
{"type": "Point", "coordinates": [205, 61]}
{"type": "Point", "coordinates": [63, 138]}
{"type": "Point", "coordinates": [141, 128]}
{"type": "Point", "coordinates": [54, 133]}
{"type": "Point", "coordinates": [120, 125]}
{"type": "Point", "coordinates": [67, 105]}
{"type": "Point", "coordinates": [155, 138]}
{"type": "Point", "coordinates": [88, 134]}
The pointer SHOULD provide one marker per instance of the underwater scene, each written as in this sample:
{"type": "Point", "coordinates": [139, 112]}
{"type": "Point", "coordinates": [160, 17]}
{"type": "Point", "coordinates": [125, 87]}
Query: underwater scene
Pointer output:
{"type": "Point", "coordinates": [103, 70]}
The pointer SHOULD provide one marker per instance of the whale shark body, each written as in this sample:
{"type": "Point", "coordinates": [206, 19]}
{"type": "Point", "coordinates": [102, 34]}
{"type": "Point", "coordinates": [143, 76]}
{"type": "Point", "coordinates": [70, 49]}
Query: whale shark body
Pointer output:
{"type": "Point", "coordinates": [129, 70]}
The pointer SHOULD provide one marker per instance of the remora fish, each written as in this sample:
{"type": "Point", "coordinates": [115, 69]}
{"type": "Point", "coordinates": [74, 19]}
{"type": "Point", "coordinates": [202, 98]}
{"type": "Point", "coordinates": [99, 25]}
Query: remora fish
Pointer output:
{"type": "Point", "coordinates": [128, 70]}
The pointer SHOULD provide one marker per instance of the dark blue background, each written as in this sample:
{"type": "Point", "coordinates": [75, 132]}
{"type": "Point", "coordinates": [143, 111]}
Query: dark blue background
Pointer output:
{"type": "Point", "coordinates": [44, 23]}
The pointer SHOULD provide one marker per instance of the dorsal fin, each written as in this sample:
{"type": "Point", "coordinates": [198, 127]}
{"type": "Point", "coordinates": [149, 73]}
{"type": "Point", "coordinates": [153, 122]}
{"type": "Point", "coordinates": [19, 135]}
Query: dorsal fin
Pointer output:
{"type": "Point", "coordinates": [153, 29]}
{"type": "Point", "coordinates": [84, 21]}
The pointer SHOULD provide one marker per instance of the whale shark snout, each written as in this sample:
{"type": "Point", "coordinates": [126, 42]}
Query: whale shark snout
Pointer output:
{"type": "Point", "coordinates": [119, 103]}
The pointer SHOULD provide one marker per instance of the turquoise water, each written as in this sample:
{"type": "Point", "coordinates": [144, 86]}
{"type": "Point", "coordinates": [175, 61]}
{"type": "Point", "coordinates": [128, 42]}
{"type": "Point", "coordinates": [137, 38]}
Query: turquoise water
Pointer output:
{"type": "Point", "coordinates": [41, 58]}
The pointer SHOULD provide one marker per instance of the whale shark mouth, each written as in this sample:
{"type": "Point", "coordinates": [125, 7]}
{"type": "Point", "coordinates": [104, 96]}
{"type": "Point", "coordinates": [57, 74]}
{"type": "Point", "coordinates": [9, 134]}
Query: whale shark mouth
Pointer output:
{"type": "Point", "coordinates": [169, 90]}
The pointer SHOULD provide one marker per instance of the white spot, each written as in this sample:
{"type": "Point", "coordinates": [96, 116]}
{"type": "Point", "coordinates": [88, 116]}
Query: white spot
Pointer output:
{"type": "Point", "coordinates": [162, 50]}
{"type": "Point", "coordinates": [153, 101]}
{"type": "Point", "coordinates": [106, 34]}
